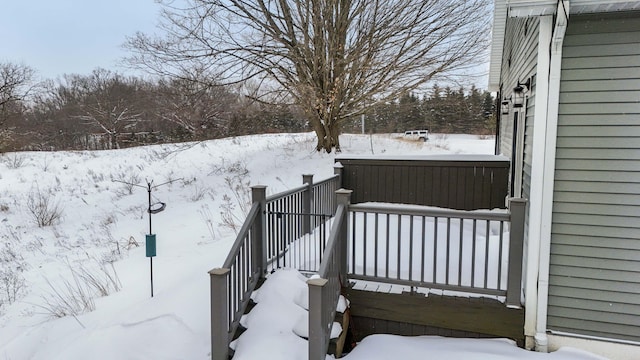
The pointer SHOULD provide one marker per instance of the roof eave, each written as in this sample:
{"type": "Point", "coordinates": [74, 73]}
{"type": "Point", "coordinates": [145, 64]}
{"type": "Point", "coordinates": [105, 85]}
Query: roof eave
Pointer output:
{"type": "Point", "coordinates": [527, 8]}
{"type": "Point", "coordinates": [497, 44]}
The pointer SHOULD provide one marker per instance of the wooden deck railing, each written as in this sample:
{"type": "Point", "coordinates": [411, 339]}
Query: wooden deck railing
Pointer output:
{"type": "Point", "coordinates": [302, 212]}
{"type": "Point", "coordinates": [467, 251]}
{"type": "Point", "coordinates": [233, 283]}
{"type": "Point", "coordinates": [261, 243]}
{"type": "Point", "coordinates": [323, 194]}
{"type": "Point", "coordinates": [325, 290]}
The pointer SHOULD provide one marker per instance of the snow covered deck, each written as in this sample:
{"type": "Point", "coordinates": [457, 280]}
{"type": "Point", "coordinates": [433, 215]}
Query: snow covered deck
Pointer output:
{"type": "Point", "coordinates": [435, 242]}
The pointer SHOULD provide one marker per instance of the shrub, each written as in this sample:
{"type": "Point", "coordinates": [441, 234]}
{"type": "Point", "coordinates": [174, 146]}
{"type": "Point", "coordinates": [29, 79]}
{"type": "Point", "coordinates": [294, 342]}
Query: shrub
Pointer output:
{"type": "Point", "coordinates": [207, 216]}
{"type": "Point", "coordinates": [15, 161]}
{"type": "Point", "coordinates": [11, 285]}
{"type": "Point", "coordinates": [129, 181]}
{"type": "Point", "coordinates": [44, 209]}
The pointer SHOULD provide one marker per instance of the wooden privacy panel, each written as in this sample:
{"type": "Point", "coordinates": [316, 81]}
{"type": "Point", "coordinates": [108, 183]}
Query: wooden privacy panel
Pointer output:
{"type": "Point", "coordinates": [467, 182]}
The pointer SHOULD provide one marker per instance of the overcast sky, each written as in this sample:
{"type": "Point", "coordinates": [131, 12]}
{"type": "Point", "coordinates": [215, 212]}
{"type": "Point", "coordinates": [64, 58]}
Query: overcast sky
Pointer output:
{"type": "Point", "coordinates": [58, 37]}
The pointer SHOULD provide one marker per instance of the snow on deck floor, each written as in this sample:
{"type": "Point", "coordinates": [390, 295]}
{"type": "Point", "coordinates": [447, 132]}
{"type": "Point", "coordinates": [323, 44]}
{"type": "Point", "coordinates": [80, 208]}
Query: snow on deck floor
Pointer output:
{"type": "Point", "coordinates": [379, 347]}
{"type": "Point", "coordinates": [280, 313]}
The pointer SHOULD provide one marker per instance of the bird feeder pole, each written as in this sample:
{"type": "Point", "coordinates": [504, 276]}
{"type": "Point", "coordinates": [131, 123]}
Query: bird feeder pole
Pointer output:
{"type": "Point", "coordinates": [151, 236]}
{"type": "Point", "coordinates": [150, 245]}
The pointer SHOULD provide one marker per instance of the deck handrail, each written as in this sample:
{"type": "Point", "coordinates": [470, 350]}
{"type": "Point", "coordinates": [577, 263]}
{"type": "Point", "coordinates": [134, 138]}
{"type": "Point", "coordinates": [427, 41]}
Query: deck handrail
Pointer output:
{"type": "Point", "coordinates": [324, 291]}
{"type": "Point", "coordinates": [231, 284]}
{"type": "Point", "coordinates": [286, 193]}
{"type": "Point", "coordinates": [330, 254]}
{"type": "Point", "coordinates": [327, 180]}
{"type": "Point", "coordinates": [242, 234]}
{"type": "Point", "coordinates": [418, 210]}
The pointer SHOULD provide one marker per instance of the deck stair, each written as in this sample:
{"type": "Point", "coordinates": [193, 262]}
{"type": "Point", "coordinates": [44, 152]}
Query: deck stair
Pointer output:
{"type": "Point", "coordinates": [275, 305]}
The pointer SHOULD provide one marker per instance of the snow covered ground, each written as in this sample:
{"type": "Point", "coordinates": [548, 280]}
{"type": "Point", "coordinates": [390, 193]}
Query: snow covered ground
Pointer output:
{"type": "Point", "coordinates": [80, 287]}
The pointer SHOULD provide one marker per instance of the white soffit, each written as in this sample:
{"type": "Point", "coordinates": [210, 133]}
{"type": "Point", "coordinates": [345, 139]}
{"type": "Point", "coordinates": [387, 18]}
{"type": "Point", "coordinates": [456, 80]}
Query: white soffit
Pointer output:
{"type": "Point", "coordinates": [595, 6]}
{"type": "Point", "coordinates": [497, 43]}
{"type": "Point", "coordinates": [525, 8]}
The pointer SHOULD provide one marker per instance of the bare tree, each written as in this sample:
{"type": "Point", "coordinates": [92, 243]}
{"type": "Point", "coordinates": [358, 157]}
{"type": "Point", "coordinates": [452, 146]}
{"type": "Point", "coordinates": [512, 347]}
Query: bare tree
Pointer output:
{"type": "Point", "coordinates": [107, 102]}
{"type": "Point", "coordinates": [17, 81]}
{"type": "Point", "coordinates": [199, 109]}
{"type": "Point", "coordinates": [331, 57]}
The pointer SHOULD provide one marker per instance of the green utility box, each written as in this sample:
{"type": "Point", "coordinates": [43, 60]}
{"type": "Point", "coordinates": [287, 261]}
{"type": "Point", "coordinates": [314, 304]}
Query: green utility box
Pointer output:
{"type": "Point", "coordinates": [151, 245]}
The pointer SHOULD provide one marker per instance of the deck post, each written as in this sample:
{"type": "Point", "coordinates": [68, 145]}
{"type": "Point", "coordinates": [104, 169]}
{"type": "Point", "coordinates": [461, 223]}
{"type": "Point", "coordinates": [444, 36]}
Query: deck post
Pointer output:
{"type": "Point", "coordinates": [219, 314]}
{"type": "Point", "coordinates": [516, 241]}
{"type": "Point", "coordinates": [307, 197]}
{"type": "Point", "coordinates": [317, 340]}
{"type": "Point", "coordinates": [259, 238]}
{"type": "Point", "coordinates": [343, 197]}
{"type": "Point", "coordinates": [337, 170]}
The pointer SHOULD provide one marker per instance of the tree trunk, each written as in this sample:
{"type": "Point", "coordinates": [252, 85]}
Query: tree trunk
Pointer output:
{"type": "Point", "coordinates": [327, 135]}
{"type": "Point", "coordinates": [113, 137]}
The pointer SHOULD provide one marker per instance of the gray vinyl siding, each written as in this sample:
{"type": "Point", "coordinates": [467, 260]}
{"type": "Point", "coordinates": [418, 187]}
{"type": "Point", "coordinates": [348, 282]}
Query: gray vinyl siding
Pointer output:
{"type": "Point", "coordinates": [594, 284]}
{"type": "Point", "coordinates": [528, 144]}
{"type": "Point", "coordinates": [519, 63]}
{"type": "Point", "coordinates": [526, 169]}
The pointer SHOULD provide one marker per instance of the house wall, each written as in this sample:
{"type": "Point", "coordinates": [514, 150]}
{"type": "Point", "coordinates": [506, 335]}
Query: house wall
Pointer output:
{"type": "Point", "coordinates": [519, 63]}
{"type": "Point", "coordinates": [594, 283]}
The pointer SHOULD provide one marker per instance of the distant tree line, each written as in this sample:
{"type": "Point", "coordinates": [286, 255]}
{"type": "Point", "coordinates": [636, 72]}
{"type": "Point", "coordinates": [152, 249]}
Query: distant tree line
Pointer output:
{"type": "Point", "coordinates": [106, 110]}
{"type": "Point", "coordinates": [441, 110]}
